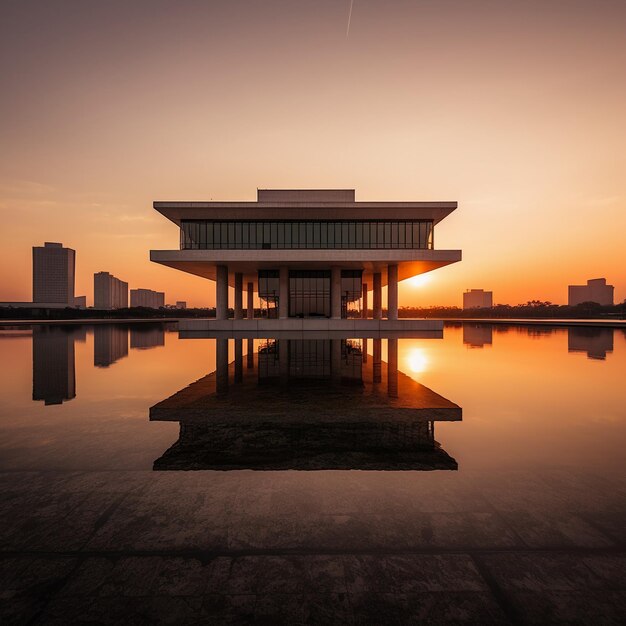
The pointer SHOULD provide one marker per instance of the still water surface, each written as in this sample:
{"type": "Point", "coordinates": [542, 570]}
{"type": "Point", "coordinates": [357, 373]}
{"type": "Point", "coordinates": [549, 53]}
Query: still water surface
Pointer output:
{"type": "Point", "coordinates": [79, 398]}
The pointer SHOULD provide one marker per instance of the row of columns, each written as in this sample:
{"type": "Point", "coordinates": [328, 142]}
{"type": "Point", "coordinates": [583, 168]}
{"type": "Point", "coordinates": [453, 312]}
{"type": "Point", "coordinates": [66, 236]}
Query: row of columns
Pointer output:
{"type": "Point", "coordinates": [222, 362]}
{"type": "Point", "coordinates": [221, 291]}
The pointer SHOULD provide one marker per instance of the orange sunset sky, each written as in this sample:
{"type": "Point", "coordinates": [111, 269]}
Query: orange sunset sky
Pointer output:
{"type": "Point", "coordinates": [517, 110]}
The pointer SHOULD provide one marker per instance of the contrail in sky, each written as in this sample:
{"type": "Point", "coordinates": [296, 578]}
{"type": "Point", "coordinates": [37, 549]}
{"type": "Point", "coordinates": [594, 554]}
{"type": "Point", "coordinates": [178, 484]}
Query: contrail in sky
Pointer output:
{"type": "Point", "coordinates": [349, 18]}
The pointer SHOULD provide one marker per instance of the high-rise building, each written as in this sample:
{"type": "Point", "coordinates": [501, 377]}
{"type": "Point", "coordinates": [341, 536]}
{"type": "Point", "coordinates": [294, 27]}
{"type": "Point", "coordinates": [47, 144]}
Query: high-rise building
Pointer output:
{"type": "Point", "coordinates": [596, 290]}
{"type": "Point", "coordinates": [147, 298]}
{"type": "Point", "coordinates": [54, 269]}
{"type": "Point", "coordinates": [477, 299]}
{"type": "Point", "coordinates": [109, 292]}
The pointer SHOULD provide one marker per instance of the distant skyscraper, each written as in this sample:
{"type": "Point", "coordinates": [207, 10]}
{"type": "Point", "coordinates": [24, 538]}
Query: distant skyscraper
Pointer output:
{"type": "Point", "coordinates": [147, 298]}
{"type": "Point", "coordinates": [477, 299]}
{"type": "Point", "coordinates": [54, 379]}
{"type": "Point", "coordinates": [110, 343]}
{"type": "Point", "coordinates": [109, 292]}
{"type": "Point", "coordinates": [54, 269]}
{"type": "Point", "coordinates": [596, 290]}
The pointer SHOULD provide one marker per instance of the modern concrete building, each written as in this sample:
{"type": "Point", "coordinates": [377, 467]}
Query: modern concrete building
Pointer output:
{"type": "Point", "coordinates": [306, 253]}
{"type": "Point", "coordinates": [109, 292]}
{"type": "Point", "coordinates": [181, 304]}
{"type": "Point", "coordinates": [80, 302]}
{"type": "Point", "coordinates": [147, 298]}
{"type": "Point", "coordinates": [54, 271]}
{"type": "Point", "coordinates": [477, 299]}
{"type": "Point", "coordinates": [596, 290]}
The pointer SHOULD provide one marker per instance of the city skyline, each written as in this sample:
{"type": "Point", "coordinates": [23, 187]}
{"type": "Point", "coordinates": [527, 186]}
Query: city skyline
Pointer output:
{"type": "Point", "coordinates": [421, 101]}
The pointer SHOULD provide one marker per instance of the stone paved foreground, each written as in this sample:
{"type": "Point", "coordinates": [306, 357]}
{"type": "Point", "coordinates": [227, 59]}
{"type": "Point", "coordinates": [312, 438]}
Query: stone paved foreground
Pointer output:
{"type": "Point", "coordinates": [316, 547]}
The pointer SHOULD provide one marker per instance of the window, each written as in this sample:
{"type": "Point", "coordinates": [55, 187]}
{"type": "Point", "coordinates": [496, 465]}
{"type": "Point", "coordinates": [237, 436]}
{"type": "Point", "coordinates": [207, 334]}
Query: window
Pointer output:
{"type": "Point", "coordinates": [281, 234]}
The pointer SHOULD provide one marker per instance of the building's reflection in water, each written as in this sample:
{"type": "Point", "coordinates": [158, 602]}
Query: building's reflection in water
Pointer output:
{"type": "Point", "coordinates": [110, 344]}
{"type": "Point", "coordinates": [54, 375]}
{"type": "Point", "coordinates": [309, 405]}
{"type": "Point", "coordinates": [596, 342]}
{"type": "Point", "coordinates": [147, 336]}
{"type": "Point", "coordinates": [477, 335]}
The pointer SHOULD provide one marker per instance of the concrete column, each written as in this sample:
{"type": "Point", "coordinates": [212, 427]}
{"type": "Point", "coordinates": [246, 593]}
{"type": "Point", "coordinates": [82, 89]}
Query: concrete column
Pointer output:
{"type": "Point", "coordinates": [221, 293]}
{"type": "Point", "coordinates": [392, 292]}
{"type": "Point", "coordinates": [335, 292]}
{"type": "Point", "coordinates": [250, 355]}
{"type": "Point", "coordinates": [283, 293]}
{"type": "Point", "coordinates": [250, 301]}
{"type": "Point", "coordinates": [364, 309]}
{"type": "Point", "coordinates": [364, 353]}
{"type": "Point", "coordinates": [378, 360]}
{"type": "Point", "coordinates": [221, 365]}
{"type": "Point", "coordinates": [378, 296]}
{"type": "Point", "coordinates": [238, 360]}
{"type": "Point", "coordinates": [392, 368]}
{"type": "Point", "coordinates": [238, 296]}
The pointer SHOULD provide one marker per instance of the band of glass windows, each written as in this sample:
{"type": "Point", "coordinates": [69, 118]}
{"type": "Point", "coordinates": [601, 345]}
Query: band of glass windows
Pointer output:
{"type": "Point", "coordinates": [271, 235]}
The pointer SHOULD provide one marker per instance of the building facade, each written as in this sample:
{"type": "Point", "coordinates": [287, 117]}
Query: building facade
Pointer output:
{"type": "Point", "coordinates": [54, 271]}
{"type": "Point", "coordinates": [306, 253]}
{"type": "Point", "coordinates": [109, 292]}
{"type": "Point", "coordinates": [147, 298]}
{"type": "Point", "coordinates": [596, 290]}
{"type": "Point", "coordinates": [181, 304]}
{"type": "Point", "coordinates": [477, 299]}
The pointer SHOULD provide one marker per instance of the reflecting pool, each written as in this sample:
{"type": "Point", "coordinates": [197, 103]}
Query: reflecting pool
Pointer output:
{"type": "Point", "coordinates": [312, 479]}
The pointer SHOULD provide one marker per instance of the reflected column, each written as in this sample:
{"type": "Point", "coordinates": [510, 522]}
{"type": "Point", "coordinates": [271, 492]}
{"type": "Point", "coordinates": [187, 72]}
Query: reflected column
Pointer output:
{"type": "Point", "coordinates": [238, 360]}
{"type": "Point", "coordinates": [335, 359]}
{"type": "Point", "coordinates": [221, 365]}
{"type": "Point", "coordinates": [283, 360]}
{"type": "Point", "coordinates": [250, 355]}
{"type": "Point", "coordinates": [377, 365]}
{"type": "Point", "coordinates": [392, 368]}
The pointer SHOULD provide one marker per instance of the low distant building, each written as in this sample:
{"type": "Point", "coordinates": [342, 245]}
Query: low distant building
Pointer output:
{"type": "Point", "coordinates": [109, 292]}
{"type": "Point", "coordinates": [147, 298]}
{"type": "Point", "coordinates": [54, 269]}
{"type": "Point", "coordinates": [80, 302]}
{"type": "Point", "coordinates": [477, 299]}
{"type": "Point", "coordinates": [181, 304]}
{"type": "Point", "coordinates": [596, 290]}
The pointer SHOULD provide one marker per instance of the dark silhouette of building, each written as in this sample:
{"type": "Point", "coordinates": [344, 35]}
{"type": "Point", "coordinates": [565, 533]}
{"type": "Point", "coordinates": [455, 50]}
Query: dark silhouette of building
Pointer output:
{"type": "Point", "coordinates": [54, 269]}
{"type": "Point", "coordinates": [596, 290]}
